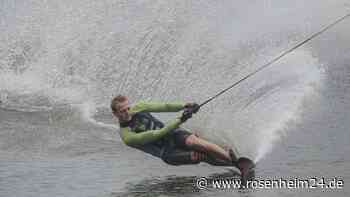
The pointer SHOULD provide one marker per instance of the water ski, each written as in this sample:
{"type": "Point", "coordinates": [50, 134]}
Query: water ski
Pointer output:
{"type": "Point", "coordinates": [247, 169]}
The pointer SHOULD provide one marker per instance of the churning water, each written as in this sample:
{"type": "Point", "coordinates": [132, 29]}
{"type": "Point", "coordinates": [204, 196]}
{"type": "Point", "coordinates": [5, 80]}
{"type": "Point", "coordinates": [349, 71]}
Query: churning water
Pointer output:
{"type": "Point", "coordinates": [61, 62]}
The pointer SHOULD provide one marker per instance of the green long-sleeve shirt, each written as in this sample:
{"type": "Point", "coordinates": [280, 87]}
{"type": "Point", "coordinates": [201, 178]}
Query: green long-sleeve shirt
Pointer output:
{"type": "Point", "coordinates": [133, 138]}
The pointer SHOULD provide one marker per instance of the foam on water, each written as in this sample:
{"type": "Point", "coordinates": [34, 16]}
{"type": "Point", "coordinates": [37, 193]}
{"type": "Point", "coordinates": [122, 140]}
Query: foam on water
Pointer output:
{"type": "Point", "coordinates": [88, 110]}
{"type": "Point", "coordinates": [259, 111]}
{"type": "Point", "coordinates": [306, 74]}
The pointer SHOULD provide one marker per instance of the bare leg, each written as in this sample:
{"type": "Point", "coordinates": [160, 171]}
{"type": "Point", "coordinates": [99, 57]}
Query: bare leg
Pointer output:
{"type": "Point", "coordinates": [212, 149]}
{"type": "Point", "coordinates": [199, 157]}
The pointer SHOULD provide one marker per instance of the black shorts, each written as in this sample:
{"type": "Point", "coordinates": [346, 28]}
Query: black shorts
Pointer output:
{"type": "Point", "coordinates": [175, 151]}
{"type": "Point", "coordinates": [179, 137]}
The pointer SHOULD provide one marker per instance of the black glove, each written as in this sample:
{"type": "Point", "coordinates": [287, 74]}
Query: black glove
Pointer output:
{"type": "Point", "coordinates": [194, 107]}
{"type": "Point", "coordinates": [187, 114]}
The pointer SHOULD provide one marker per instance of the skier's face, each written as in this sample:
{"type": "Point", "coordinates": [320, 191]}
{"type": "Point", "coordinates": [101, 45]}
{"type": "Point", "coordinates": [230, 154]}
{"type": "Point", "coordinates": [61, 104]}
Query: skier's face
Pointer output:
{"type": "Point", "coordinates": [123, 111]}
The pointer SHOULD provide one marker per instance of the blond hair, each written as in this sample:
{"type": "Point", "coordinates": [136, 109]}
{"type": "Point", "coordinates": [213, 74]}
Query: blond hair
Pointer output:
{"type": "Point", "coordinates": [116, 100]}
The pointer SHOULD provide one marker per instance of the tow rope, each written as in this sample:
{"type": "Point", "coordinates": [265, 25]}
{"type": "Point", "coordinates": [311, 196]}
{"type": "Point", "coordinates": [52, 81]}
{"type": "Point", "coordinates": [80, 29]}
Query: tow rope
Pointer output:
{"type": "Point", "coordinates": [277, 58]}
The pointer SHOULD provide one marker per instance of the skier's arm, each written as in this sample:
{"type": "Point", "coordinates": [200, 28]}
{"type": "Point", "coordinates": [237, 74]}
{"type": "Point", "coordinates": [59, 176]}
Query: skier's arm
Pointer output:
{"type": "Point", "coordinates": [131, 138]}
{"type": "Point", "coordinates": [157, 107]}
